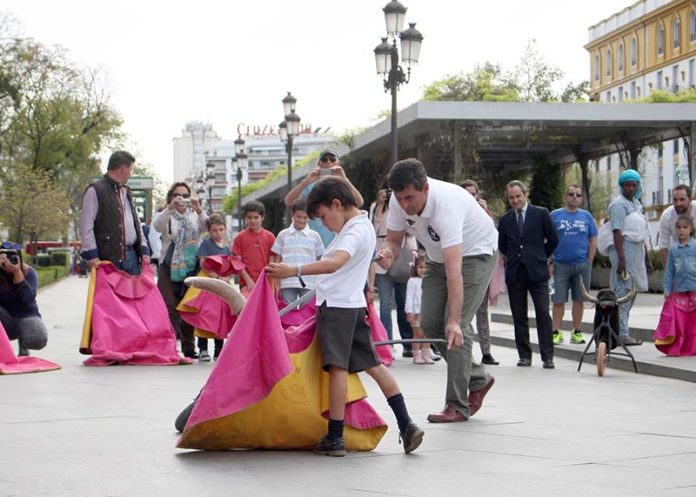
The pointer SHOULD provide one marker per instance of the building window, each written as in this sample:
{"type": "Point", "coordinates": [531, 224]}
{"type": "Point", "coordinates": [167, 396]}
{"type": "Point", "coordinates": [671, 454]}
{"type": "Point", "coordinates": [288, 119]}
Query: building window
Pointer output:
{"type": "Point", "coordinates": [621, 93]}
{"type": "Point", "coordinates": [692, 27]}
{"type": "Point", "coordinates": [596, 166]}
{"type": "Point", "coordinates": [633, 89]}
{"type": "Point", "coordinates": [620, 58]}
{"type": "Point", "coordinates": [608, 62]}
{"type": "Point", "coordinates": [608, 96]}
{"type": "Point", "coordinates": [660, 40]}
{"type": "Point", "coordinates": [659, 80]}
{"type": "Point", "coordinates": [660, 151]}
{"type": "Point", "coordinates": [634, 52]}
{"type": "Point", "coordinates": [675, 147]}
{"type": "Point", "coordinates": [675, 32]}
{"type": "Point", "coordinates": [596, 67]}
{"type": "Point", "coordinates": [609, 163]}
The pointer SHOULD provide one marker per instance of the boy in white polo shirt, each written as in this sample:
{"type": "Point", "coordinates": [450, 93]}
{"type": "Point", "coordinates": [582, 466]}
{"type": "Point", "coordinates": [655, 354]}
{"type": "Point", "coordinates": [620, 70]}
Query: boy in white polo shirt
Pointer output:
{"type": "Point", "coordinates": [343, 334]}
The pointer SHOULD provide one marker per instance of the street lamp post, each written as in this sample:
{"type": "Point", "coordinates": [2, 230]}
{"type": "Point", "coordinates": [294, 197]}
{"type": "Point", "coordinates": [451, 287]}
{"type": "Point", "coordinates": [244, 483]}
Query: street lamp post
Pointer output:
{"type": "Point", "coordinates": [240, 158]}
{"type": "Point", "coordinates": [210, 182]}
{"type": "Point", "coordinates": [387, 60]}
{"type": "Point", "coordinates": [288, 129]}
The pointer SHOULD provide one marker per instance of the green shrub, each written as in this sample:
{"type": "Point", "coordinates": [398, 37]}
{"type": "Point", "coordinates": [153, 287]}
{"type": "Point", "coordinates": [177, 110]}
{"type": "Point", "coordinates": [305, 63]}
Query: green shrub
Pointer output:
{"type": "Point", "coordinates": [60, 258]}
{"type": "Point", "coordinates": [43, 260]}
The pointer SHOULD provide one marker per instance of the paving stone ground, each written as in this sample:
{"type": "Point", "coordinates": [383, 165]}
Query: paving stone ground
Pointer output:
{"type": "Point", "coordinates": [109, 432]}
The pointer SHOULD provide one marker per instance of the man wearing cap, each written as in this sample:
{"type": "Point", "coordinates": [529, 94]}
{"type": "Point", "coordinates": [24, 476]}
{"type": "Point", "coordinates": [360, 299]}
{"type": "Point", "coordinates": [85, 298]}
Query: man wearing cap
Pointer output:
{"type": "Point", "coordinates": [328, 165]}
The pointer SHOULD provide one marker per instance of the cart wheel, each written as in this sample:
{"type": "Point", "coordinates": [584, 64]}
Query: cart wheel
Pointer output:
{"type": "Point", "coordinates": [601, 358]}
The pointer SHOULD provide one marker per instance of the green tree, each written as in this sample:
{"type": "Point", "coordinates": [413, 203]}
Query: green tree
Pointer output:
{"type": "Point", "coordinates": [30, 203]}
{"type": "Point", "coordinates": [546, 188]}
{"type": "Point", "coordinates": [486, 83]}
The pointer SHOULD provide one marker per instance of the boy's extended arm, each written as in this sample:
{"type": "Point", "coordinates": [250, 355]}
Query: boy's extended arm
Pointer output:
{"type": "Point", "coordinates": [327, 265]}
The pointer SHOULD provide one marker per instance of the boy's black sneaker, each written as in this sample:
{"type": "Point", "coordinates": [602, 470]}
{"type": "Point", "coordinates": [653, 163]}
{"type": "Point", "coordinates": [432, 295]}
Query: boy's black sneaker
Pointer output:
{"type": "Point", "coordinates": [327, 447]}
{"type": "Point", "coordinates": [411, 437]}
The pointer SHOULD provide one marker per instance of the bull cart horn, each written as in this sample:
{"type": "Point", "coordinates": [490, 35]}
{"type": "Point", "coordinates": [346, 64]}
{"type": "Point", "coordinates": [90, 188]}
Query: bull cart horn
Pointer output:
{"type": "Point", "coordinates": [220, 288]}
{"type": "Point", "coordinates": [587, 294]}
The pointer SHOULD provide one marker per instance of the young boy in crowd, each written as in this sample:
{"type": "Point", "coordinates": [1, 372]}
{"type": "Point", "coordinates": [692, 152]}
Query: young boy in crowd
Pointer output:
{"type": "Point", "coordinates": [253, 245]}
{"type": "Point", "coordinates": [343, 334]}
{"type": "Point", "coordinates": [298, 244]}
{"type": "Point", "coordinates": [214, 245]}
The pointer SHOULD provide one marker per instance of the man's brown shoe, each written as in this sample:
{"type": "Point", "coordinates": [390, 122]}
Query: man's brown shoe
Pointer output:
{"type": "Point", "coordinates": [476, 398]}
{"type": "Point", "coordinates": [448, 415]}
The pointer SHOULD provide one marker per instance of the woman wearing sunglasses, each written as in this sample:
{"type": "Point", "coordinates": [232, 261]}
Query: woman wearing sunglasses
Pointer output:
{"type": "Point", "coordinates": [19, 311]}
{"type": "Point", "coordinates": [180, 225]}
{"type": "Point", "coordinates": [329, 164]}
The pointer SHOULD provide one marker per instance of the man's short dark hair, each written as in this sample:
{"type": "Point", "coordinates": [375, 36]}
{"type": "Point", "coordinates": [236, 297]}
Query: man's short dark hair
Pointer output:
{"type": "Point", "coordinates": [170, 193]}
{"type": "Point", "coordinates": [683, 187]}
{"type": "Point", "coordinates": [326, 190]}
{"type": "Point", "coordinates": [407, 172]}
{"type": "Point", "coordinates": [299, 205]}
{"type": "Point", "coordinates": [469, 183]}
{"type": "Point", "coordinates": [118, 159]}
{"type": "Point", "coordinates": [254, 206]}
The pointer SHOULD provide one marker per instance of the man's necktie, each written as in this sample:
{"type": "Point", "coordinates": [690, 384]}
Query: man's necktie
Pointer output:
{"type": "Point", "coordinates": [520, 220]}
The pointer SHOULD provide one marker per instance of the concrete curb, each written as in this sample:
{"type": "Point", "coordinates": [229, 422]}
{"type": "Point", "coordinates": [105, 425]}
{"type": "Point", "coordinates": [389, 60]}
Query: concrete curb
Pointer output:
{"type": "Point", "coordinates": [644, 334]}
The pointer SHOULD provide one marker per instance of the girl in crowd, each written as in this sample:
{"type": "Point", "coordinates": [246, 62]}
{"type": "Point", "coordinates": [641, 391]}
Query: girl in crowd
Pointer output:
{"type": "Point", "coordinates": [676, 333]}
{"type": "Point", "coordinates": [421, 351]}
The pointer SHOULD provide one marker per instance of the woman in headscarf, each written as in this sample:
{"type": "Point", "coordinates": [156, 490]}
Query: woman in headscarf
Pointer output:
{"type": "Point", "coordinates": [629, 259]}
{"type": "Point", "coordinates": [180, 225]}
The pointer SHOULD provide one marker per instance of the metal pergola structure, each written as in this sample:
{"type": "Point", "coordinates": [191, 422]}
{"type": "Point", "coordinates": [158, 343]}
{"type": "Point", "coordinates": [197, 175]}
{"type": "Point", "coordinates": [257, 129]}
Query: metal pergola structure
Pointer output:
{"type": "Point", "coordinates": [513, 135]}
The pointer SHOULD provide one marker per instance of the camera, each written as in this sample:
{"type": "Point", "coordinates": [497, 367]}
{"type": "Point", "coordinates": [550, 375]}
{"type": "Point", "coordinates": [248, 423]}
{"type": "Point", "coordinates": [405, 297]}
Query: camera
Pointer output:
{"type": "Point", "coordinates": [12, 255]}
{"type": "Point", "coordinates": [325, 172]}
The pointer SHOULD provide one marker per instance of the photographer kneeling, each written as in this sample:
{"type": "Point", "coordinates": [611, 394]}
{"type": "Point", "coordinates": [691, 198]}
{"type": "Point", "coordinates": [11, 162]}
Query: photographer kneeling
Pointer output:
{"type": "Point", "coordinates": [19, 311]}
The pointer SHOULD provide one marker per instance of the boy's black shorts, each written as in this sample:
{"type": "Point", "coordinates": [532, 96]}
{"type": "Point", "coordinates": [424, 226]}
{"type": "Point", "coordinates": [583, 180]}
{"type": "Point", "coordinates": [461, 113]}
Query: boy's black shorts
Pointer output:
{"type": "Point", "coordinates": [344, 339]}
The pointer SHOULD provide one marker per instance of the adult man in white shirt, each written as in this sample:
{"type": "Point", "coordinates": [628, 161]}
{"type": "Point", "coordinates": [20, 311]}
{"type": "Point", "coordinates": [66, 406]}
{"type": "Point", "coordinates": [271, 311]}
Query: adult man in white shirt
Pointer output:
{"type": "Point", "coordinates": [461, 243]}
{"type": "Point", "coordinates": [681, 204]}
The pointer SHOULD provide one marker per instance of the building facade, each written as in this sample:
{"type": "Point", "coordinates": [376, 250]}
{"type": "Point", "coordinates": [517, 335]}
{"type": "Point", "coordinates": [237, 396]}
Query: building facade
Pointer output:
{"type": "Point", "coordinates": [648, 46]}
{"type": "Point", "coordinates": [199, 145]}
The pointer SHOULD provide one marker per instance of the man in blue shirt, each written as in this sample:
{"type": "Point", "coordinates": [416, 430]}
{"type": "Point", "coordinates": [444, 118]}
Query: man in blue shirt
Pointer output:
{"type": "Point", "coordinates": [572, 261]}
{"type": "Point", "coordinates": [329, 164]}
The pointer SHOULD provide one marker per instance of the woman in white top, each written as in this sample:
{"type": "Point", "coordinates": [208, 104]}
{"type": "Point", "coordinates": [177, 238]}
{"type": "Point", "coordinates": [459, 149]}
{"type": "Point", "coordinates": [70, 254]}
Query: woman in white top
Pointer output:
{"type": "Point", "coordinates": [180, 225]}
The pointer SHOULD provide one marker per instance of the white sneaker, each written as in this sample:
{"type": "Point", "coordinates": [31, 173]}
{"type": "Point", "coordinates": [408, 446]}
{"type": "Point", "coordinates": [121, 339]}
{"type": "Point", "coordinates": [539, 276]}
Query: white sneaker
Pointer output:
{"type": "Point", "coordinates": [204, 356]}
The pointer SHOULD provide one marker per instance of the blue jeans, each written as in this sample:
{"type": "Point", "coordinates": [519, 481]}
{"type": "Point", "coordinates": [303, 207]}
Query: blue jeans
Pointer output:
{"type": "Point", "coordinates": [391, 292]}
{"type": "Point", "coordinates": [130, 264]}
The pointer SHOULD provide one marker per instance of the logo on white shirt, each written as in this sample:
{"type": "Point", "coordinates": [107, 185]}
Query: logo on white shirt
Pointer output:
{"type": "Point", "coordinates": [433, 234]}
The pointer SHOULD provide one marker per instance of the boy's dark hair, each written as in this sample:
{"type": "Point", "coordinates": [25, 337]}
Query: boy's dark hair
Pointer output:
{"type": "Point", "coordinates": [299, 205]}
{"type": "Point", "coordinates": [215, 219]}
{"type": "Point", "coordinates": [407, 172]}
{"type": "Point", "coordinates": [325, 191]}
{"type": "Point", "coordinates": [170, 193]}
{"type": "Point", "coordinates": [118, 159]}
{"type": "Point", "coordinates": [254, 206]}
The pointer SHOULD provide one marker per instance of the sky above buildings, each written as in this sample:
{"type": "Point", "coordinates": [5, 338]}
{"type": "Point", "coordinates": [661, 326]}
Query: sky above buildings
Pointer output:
{"type": "Point", "coordinates": [232, 62]}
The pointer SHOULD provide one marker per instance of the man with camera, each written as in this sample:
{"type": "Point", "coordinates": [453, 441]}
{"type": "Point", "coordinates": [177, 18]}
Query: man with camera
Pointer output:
{"type": "Point", "coordinates": [109, 226]}
{"type": "Point", "coordinates": [329, 164]}
{"type": "Point", "coordinates": [19, 312]}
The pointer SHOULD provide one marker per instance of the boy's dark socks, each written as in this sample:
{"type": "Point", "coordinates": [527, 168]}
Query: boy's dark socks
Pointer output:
{"type": "Point", "coordinates": [335, 429]}
{"type": "Point", "coordinates": [398, 405]}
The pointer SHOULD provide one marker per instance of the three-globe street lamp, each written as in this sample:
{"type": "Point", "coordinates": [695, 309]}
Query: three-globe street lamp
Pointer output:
{"type": "Point", "coordinates": [288, 129]}
{"type": "Point", "coordinates": [387, 59]}
{"type": "Point", "coordinates": [241, 159]}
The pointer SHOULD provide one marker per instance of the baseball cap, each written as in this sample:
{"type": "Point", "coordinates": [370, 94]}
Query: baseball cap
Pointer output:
{"type": "Point", "coordinates": [326, 152]}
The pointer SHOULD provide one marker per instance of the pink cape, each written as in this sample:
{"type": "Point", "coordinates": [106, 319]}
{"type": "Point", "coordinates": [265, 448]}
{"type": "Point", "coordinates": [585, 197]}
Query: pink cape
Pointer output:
{"type": "Point", "coordinates": [11, 364]}
{"type": "Point", "coordinates": [676, 332]}
{"type": "Point", "coordinates": [129, 321]}
{"type": "Point", "coordinates": [256, 359]}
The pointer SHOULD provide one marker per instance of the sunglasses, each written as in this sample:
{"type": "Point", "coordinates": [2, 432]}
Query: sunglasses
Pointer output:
{"type": "Point", "coordinates": [328, 158]}
{"type": "Point", "coordinates": [184, 195]}
{"type": "Point", "coordinates": [573, 194]}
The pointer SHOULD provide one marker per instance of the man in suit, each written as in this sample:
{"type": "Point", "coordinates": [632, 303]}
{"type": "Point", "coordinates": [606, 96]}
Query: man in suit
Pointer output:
{"type": "Point", "coordinates": [527, 238]}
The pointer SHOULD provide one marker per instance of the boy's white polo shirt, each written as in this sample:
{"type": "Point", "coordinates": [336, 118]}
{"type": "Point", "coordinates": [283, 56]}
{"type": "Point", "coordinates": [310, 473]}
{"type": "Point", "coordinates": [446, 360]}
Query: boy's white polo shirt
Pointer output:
{"type": "Point", "coordinates": [344, 288]}
{"type": "Point", "coordinates": [451, 216]}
